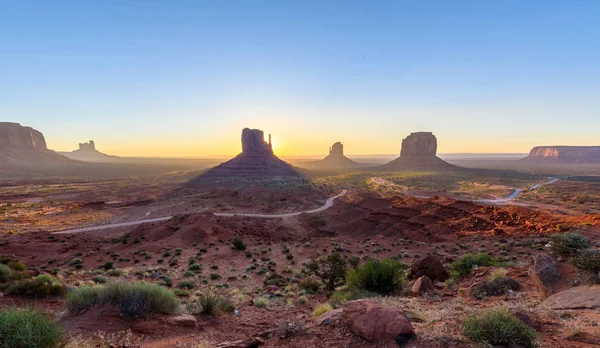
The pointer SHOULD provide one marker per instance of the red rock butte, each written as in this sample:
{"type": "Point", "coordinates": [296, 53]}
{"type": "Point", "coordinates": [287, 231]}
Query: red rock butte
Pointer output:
{"type": "Point", "coordinates": [418, 153]}
{"type": "Point", "coordinates": [256, 161]}
{"type": "Point", "coordinates": [335, 159]}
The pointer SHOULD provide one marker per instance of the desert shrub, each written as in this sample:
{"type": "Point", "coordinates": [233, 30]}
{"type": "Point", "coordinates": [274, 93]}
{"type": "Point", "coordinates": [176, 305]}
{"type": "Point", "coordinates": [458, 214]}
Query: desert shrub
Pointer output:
{"type": "Point", "coordinates": [496, 287]}
{"type": "Point", "coordinates": [75, 262]}
{"type": "Point", "coordinates": [187, 284]}
{"type": "Point", "coordinates": [41, 286]}
{"type": "Point", "coordinates": [238, 243]}
{"type": "Point", "coordinates": [498, 327]}
{"type": "Point", "coordinates": [133, 300]}
{"type": "Point", "coordinates": [25, 327]}
{"type": "Point", "coordinates": [468, 262]}
{"type": "Point", "coordinates": [321, 309]}
{"type": "Point", "coordinates": [5, 273]}
{"type": "Point", "coordinates": [210, 304]}
{"type": "Point", "coordinates": [99, 279]}
{"type": "Point", "coordinates": [309, 285]}
{"type": "Point", "coordinates": [195, 267]}
{"type": "Point", "coordinates": [498, 273]}
{"type": "Point", "coordinates": [165, 280]}
{"type": "Point", "coordinates": [568, 244]}
{"type": "Point", "coordinates": [108, 265]}
{"type": "Point", "coordinates": [331, 270]}
{"type": "Point", "coordinates": [303, 300]}
{"type": "Point", "coordinates": [17, 266]}
{"type": "Point", "coordinates": [260, 303]}
{"type": "Point", "coordinates": [380, 276]}
{"type": "Point", "coordinates": [181, 293]}
{"type": "Point", "coordinates": [588, 260]}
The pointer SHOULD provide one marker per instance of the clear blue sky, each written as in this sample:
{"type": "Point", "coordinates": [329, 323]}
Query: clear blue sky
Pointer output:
{"type": "Point", "coordinates": [182, 78]}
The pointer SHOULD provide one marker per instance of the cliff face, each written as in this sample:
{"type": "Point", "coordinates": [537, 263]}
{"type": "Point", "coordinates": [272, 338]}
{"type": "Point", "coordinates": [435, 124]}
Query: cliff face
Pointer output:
{"type": "Point", "coordinates": [15, 135]}
{"type": "Point", "coordinates": [24, 145]}
{"type": "Point", "coordinates": [574, 154]}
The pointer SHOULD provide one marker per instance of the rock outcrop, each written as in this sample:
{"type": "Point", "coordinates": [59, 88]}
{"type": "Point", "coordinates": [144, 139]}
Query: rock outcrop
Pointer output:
{"type": "Point", "coordinates": [374, 322]}
{"type": "Point", "coordinates": [256, 161]}
{"type": "Point", "coordinates": [565, 154]}
{"type": "Point", "coordinates": [24, 145]}
{"type": "Point", "coordinates": [544, 274]}
{"type": "Point", "coordinates": [422, 286]}
{"type": "Point", "coordinates": [418, 153]}
{"type": "Point", "coordinates": [87, 153]}
{"type": "Point", "coordinates": [335, 159]}
{"type": "Point", "coordinates": [579, 297]}
{"type": "Point", "coordinates": [430, 267]}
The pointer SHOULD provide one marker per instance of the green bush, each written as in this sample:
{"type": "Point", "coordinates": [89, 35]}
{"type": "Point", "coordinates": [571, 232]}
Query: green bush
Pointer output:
{"type": "Point", "coordinates": [321, 309]}
{"type": "Point", "coordinates": [17, 266]}
{"type": "Point", "coordinates": [41, 286]}
{"type": "Point", "coordinates": [24, 327]}
{"type": "Point", "coordinates": [498, 327]}
{"type": "Point", "coordinates": [309, 285]}
{"type": "Point", "coordinates": [380, 276]}
{"type": "Point", "coordinates": [5, 273]}
{"type": "Point", "coordinates": [331, 270]}
{"type": "Point", "coordinates": [210, 304]}
{"type": "Point", "coordinates": [568, 244]}
{"type": "Point", "coordinates": [468, 262]}
{"type": "Point", "coordinates": [588, 260]}
{"type": "Point", "coordinates": [75, 262]}
{"type": "Point", "coordinates": [186, 284]}
{"type": "Point", "coordinates": [238, 243]}
{"type": "Point", "coordinates": [133, 300]}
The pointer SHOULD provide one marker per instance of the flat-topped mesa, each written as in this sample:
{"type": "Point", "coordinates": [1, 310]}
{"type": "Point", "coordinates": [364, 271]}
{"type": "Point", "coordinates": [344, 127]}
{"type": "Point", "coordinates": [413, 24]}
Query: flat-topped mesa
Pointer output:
{"type": "Point", "coordinates": [336, 149]}
{"type": "Point", "coordinates": [15, 135]}
{"type": "Point", "coordinates": [419, 144]}
{"type": "Point", "coordinates": [576, 154]}
{"type": "Point", "coordinates": [253, 142]}
{"type": "Point", "coordinates": [90, 146]}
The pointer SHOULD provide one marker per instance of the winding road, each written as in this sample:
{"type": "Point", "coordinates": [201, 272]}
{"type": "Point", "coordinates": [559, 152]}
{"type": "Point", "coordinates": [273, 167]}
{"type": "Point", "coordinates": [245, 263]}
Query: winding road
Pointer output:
{"type": "Point", "coordinates": [328, 204]}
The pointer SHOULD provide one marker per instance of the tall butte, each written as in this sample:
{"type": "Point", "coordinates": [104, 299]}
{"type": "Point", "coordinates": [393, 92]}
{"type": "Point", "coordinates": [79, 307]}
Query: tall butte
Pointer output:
{"type": "Point", "coordinates": [25, 146]}
{"type": "Point", "coordinates": [87, 152]}
{"type": "Point", "coordinates": [335, 159]}
{"type": "Point", "coordinates": [418, 153]}
{"type": "Point", "coordinates": [256, 161]}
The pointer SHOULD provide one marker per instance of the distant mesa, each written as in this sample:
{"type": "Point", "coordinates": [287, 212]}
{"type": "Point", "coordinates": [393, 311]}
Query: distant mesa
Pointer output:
{"type": "Point", "coordinates": [25, 145]}
{"type": "Point", "coordinates": [256, 161]}
{"type": "Point", "coordinates": [335, 159]}
{"type": "Point", "coordinates": [87, 152]}
{"type": "Point", "coordinates": [418, 153]}
{"type": "Point", "coordinates": [565, 154]}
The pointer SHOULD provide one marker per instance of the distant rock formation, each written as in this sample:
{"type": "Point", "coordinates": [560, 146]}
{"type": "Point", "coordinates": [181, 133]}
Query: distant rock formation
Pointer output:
{"type": "Point", "coordinates": [418, 153]}
{"type": "Point", "coordinates": [565, 154]}
{"type": "Point", "coordinates": [24, 145]}
{"type": "Point", "coordinates": [256, 161]}
{"type": "Point", "coordinates": [87, 153]}
{"type": "Point", "coordinates": [335, 159]}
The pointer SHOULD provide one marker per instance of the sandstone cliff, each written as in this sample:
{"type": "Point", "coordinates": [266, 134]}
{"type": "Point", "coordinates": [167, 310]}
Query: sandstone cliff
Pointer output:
{"type": "Point", "coordinates": [256, 161]}
{"type": "Point", "coordinates": [418, 153]}
{"type": "Point", "coordinates": [87, 153]}
{"type": "Point", "coordinates": [566, 154]}
{"type": "Point", "coordinates": [24, 145]}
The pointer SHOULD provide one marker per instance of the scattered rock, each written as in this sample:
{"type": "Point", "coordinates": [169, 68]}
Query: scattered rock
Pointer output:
{"type": "Point", "coordinates": [183, 320]}
{"type": "Point", "coordinates": [252, 342]}
{"type": "Point", "coordinates": [421, 286]}
{"type": "Point", "coordinates": [332, 318]}
{"type": "Point", "coordinates": [580, 297]}
{"type": "Point", "coordinates": [496, 287]}
{"type": "Point", "coordinates": [544, 274]}
{"type": "Point", "coordinates": [374, 322]}
{"type": "Point", "coordinates": [430, 267]}
{"type": "Point", "coordinates": [532, 323]}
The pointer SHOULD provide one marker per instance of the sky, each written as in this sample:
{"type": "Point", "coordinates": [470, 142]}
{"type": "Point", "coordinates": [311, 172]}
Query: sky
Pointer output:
{"type": "Point", "coordinates": [183, 78]}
